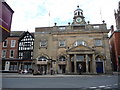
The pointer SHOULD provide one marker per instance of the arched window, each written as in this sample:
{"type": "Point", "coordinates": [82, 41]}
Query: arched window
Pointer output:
{"type": "Point", "coordinates": [77, 43]}
{"type": "Point", "coordinates": [42, 58]}
{"type": "Point", "coordinates": [62, 58]}
{"type": "Point", "coordinates": [99, 58]}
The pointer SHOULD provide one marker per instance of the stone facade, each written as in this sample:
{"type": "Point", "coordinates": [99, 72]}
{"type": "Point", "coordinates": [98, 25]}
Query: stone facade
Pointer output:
{"type": "Point", "coordinates": [63, 48]}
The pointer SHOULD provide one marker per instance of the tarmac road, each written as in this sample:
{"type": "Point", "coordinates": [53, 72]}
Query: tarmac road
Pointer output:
{"type": "Point", "coordinates": [62, 81]}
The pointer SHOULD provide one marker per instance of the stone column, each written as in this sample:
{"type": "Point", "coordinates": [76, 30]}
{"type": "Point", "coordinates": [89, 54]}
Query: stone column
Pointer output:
{"type": "Point", "coordinates": [93, 64]}
{"type": "Point", "coordinates": [86, 57]}
{"type": "Point", "coordinates": [75, 67]}
{"type": "Point", "coordinates": [68, 67]}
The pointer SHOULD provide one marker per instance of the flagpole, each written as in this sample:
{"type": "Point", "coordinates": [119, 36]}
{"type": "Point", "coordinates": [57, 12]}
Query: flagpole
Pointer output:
{"type": "Point", "coordinates": [49, 18]}
{"type": "Point", "coordinates": [101, 14]}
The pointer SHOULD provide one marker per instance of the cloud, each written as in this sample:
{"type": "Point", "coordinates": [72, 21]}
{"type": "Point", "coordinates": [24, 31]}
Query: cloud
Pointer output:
{"type": "Point", "coordinates": [35, 13]}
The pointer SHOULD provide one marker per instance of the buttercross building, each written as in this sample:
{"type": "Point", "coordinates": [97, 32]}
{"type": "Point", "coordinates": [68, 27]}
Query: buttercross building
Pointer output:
{"type": "Point", "coordinates": [63, 48]}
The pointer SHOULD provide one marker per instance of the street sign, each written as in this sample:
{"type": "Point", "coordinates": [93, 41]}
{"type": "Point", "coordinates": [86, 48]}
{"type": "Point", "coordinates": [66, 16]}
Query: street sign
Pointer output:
{"type": "Point", "coordinates": [5, 20]}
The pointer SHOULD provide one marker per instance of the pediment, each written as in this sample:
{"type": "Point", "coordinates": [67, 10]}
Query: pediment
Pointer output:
{"type": "Point", "coordinates": [80, 48]}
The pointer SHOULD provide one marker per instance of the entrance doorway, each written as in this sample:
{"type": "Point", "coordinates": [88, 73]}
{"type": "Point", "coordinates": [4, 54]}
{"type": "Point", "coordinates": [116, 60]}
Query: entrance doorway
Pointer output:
{"type": "Point", "coordinates": [77, 66]}
{"type": "Point", "coordinates": [99, 67]}
{"type": "Point", "coordinates": [42, 69]}
{"type": "Point", "coordinates": [62, 69]}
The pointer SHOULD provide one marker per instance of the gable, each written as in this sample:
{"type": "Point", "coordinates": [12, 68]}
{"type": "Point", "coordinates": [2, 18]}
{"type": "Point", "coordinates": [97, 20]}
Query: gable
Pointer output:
{"type": "Point", "coordinates": [80, 48]}
{"type": "Point", "coordinates": [26, 35]}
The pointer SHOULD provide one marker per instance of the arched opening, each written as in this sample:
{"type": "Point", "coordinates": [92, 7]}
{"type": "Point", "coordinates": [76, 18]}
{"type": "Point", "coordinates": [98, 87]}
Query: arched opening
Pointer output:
{"type": "Point", "coordinates": [42, 58]}
{"type": "Point", "coordinates": [62, 65]}
{"type": "Point", "coordinates": [79, 42]}
{"type": "Point", "coordinates": [99, 64]}
{"type": "Point", "coordinates": [62, 58]}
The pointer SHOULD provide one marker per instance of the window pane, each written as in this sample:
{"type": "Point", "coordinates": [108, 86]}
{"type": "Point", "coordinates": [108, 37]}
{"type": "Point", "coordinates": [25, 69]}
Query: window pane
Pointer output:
{"type": "Point", "coordinates": [61, 43]}
{"type": "Point", "coordinates": [77, 43]}
{"type": "Point", "coordinates": [62, 58]}
{"type": "Point", "coordinates": [13, 43]}
{"type": "Point", "coordinates": [5, 43]}
{"type": "Point", "coordinates": [43, 43]}
{"type": "Point", "coordinates": [80, 57]}
{"type": "Point", "coordinates": [11, 53]}
{"type": "Point", "coordinates": [3, 53]}
{"type": "Point", "coordinates": [42, 58]}
{"type": "Point", "coordinates": [98, 42]}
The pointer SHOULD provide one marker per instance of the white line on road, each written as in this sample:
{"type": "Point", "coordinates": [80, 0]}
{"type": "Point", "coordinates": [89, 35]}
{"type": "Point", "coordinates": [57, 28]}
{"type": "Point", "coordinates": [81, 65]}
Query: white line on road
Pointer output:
{"type": "Point", "coordinates": [92, 87]}
{"type": "Point", "coordinates": [101, 86]}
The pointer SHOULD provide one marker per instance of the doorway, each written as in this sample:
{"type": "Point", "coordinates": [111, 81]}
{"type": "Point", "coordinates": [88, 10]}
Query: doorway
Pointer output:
{"type": "Point", "coordinates": [42, 69]}
{"type": "Point", "coordinates": [62, 69]}
{"type": "Point", "coordinates": [99, 67]}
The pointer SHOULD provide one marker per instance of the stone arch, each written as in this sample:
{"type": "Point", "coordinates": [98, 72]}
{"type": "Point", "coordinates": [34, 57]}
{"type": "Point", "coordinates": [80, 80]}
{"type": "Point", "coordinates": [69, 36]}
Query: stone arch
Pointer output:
{"type": "Point", "coordinates": [42, 56]}
{"type": "Point", "coordinates": [62, 57]}
{"type": "Point", "coordinates": [80, 42]}
{"type": "Point", "coordinates": [99, 57]}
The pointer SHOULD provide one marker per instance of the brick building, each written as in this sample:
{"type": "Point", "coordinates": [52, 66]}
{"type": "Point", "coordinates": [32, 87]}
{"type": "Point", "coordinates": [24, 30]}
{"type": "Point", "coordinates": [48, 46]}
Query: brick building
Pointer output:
{"type": "Point", "coordinates": [115, 42]}
{"type": "Point", "coordinates": [17, 51]}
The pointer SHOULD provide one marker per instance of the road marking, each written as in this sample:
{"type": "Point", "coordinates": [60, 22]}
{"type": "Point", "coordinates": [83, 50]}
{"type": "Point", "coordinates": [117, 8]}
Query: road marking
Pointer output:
{"type": "Point", "coordinates": [101, 86]}
{"type": "Point", "coordinates": [115, 84]}
{"type": "Point", "coordinates": [107, 87]}
{"type": "Point", "coordinates": [92, 87]}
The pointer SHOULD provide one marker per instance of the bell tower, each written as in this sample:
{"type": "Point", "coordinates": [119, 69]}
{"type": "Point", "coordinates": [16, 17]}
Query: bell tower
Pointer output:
{"type": "Point", "coordinates": [117, 16]}
{"type": "Point", "coordinates": [78, 16]}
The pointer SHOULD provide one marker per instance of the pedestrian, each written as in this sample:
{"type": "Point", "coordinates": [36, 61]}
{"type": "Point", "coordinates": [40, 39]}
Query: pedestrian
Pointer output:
{"type": "Point", "coordinates": [80, 69]}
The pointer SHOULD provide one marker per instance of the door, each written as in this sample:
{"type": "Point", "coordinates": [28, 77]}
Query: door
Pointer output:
{"type": "Point", "coordinates": [99, 67]}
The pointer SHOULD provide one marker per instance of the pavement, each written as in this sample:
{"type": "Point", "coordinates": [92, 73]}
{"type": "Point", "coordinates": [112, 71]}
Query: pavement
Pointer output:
{"type": "Point", "coordinates": [16, 75]}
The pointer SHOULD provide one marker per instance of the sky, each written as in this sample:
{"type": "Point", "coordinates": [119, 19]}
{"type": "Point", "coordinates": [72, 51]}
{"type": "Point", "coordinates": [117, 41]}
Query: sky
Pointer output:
{"type": "Point", "coordinates": [29, 14]}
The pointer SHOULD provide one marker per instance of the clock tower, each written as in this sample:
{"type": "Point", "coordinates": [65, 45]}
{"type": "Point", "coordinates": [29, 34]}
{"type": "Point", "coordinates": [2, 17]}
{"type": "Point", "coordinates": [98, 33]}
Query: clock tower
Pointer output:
{"type": "Point", "coordinates": [78, 16]}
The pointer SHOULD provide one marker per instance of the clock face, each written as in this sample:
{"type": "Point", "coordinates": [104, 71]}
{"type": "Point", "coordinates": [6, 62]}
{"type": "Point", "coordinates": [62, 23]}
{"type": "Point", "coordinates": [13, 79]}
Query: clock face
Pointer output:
{"type": "Point", "coordinates": [78, 19]}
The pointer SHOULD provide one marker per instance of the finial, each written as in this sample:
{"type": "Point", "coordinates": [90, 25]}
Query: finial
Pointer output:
{"type": "Point", "coordinates": [103, 21]}
{"type": "Point", "coordinates": [55, 23]}
{"type": "Point", "coordinates": [77, 6]}
{"type": "Point", "coordinates": [88, 22]}
{"type": "Point", "coordinates": [68, 23]}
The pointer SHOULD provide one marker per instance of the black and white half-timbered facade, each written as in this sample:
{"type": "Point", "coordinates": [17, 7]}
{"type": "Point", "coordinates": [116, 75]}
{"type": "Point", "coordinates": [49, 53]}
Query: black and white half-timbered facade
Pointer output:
{"type": "Point", "coordinates": [25, 50]}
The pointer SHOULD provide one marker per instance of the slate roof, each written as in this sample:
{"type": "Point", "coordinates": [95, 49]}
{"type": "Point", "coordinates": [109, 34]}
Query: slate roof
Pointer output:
{"type": "Point", "coordinates": [16, 33]}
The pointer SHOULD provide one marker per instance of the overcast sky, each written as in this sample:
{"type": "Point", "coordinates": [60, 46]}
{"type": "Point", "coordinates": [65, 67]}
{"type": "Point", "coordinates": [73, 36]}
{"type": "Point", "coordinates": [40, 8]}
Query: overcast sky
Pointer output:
{"type": "Point", "coordinates": [29, 14]}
